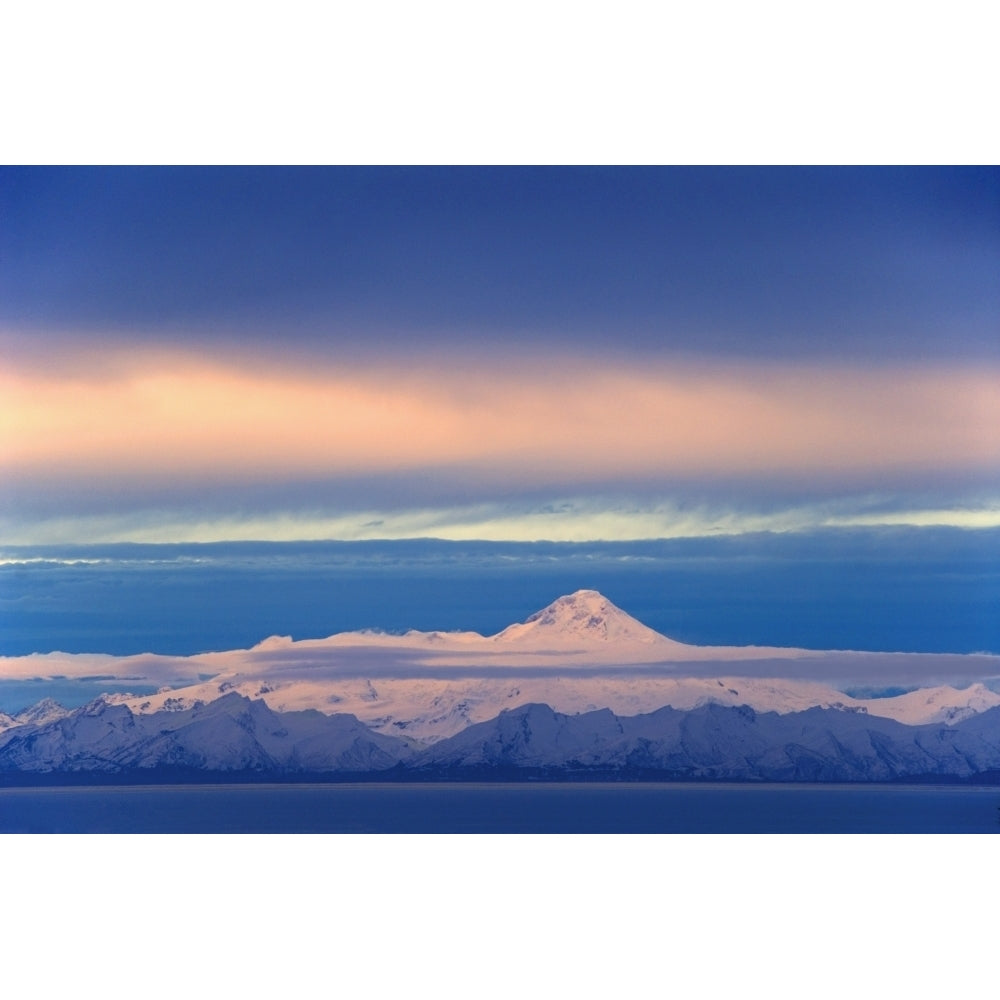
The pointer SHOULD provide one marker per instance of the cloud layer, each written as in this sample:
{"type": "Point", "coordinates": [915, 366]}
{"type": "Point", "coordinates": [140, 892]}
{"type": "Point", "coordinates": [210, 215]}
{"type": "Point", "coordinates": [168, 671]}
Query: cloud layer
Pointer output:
{"type": "Point", "coordinates": [184, 416]}
{"type": "Point", "coordinates": [497, 448]}
{"type": "Point", "coordinates": [502, 353]}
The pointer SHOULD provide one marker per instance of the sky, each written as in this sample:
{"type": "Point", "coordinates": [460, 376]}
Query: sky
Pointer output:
{"type": "Point", "coordinates": [570, 354]}
{"type": "Point", "coordinates": [105, 275]}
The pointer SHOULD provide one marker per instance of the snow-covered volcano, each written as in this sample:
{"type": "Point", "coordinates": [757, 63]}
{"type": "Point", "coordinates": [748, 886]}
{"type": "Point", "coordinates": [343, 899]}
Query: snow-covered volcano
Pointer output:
{"type": "Point", "coordinates": [583, 618]}
{"type": "Point", "coordinates": [578, 654]}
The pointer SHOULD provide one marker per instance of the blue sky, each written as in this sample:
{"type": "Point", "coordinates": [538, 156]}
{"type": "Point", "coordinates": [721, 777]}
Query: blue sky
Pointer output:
{"type": "Point", "coordinates": [890, 263]}
{"type": "Point", "coordinates": [902, 589]}
{"type": "Point", "coordinates": [562, 353]}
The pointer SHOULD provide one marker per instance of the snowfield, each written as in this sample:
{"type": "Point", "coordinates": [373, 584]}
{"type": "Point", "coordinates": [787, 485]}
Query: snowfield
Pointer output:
{"type": "Point", "coordinates": [578, 656]}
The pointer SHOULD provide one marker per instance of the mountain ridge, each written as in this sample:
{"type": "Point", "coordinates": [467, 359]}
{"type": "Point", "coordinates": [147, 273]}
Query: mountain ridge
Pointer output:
{"type": "Point", "coordinates": [238, 735]}
{"type": "Point", "coordinates": [578, 654]}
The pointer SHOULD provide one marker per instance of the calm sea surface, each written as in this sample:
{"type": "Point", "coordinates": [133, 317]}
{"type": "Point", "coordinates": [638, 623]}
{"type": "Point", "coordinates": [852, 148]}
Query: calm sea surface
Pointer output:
{"type": "Point", "coordinates": [501, 808]}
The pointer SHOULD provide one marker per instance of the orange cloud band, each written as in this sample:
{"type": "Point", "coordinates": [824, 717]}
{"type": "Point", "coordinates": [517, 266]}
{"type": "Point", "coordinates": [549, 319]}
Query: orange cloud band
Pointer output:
{"type": "Point", "coordinates": [188, 417]}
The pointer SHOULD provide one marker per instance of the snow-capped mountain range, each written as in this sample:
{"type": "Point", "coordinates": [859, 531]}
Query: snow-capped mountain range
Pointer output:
{"type": "Point", "coordinates": [601, 690]}
{"type": "Point", "coordinates": [230, 734]}
{"type": "Point", "coordinates": [239, 735]}
{"type": "Point", "coordinates": [725, 743]}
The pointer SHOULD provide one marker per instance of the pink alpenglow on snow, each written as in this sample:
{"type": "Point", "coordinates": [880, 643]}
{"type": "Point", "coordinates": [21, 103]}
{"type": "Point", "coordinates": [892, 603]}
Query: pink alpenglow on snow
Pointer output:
{"type": "Point", "coordinates": [578, 654]}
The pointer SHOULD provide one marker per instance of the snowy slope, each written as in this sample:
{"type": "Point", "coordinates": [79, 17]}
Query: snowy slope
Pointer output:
{"type": "Point", "coordinates": [231, 733]}
{"type": "Point", "coordinates": [579, 654]}
{"type": "Point", "coordinates": [586, 620]}
{"type": "Point", "coordinates": [937, 704]}
{"type": "Point", "coordinates": [709, 742]}
{"type": "Point", "coordinates": [46, 710]}
{"type": "Point", "coordinates": [725, 743]}
{"type": "Point", "coordinates": [433, 708]}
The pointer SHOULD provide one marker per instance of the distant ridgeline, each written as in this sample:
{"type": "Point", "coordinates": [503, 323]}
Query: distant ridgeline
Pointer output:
{"type": "Point", "coordinates": [236, 738]}
{"type": "Point", "coordinates": [433, 706]}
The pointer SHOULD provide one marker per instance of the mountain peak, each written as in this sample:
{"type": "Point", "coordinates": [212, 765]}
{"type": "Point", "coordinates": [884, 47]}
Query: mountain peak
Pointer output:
{"type": "Point", "coordinates": [44, 711]}
{"type": "Point", "coordinates": [585, 616]}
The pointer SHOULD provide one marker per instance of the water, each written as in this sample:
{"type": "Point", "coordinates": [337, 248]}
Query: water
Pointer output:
{"type": "Point", "coordinates": [501, 808]}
